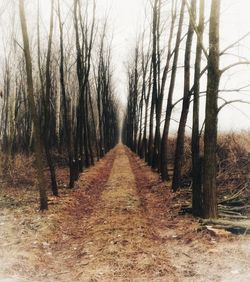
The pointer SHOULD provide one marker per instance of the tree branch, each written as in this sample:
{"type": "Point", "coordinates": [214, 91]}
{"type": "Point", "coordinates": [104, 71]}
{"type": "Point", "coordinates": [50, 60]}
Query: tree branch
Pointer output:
{"type": "Point", "coordinates": [18, 44]}
{"type": "Point", "coordinates": [243, 88]}
{"type": "Point", "coordinates": [234, 43]}
{"type": "Point", "coordinates": [234, 65]}
{"type": "Point", "coordinates": [231, 102]}
{"type": "Point", "coordinates": [196, 28]}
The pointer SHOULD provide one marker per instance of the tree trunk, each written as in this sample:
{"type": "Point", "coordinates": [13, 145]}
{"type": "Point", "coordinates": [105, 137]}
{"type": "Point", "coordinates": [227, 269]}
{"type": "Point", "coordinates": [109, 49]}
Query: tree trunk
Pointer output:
{"type": "Point", "coordinates": [155, 89]}
{"type": "Point", "coordinates": [179, 151]}
{"type": "Point", "coordinates": [164, 142]}
{"type": "Point", "coordinates": [145, 134]}
{"type": "Point", "coordinates": [78, 144]}
{"type": "Point", "coordinates": [46, 105]}
{"type": "Point", "coordinates": [157, 144]}
{"type": "Point", "coordinates": [196, 164]}
{"type": "Point", "coordinates": [38, 147]}
{"type": "Point", "coordinates": [210, 139]}
{"type": "Point", "coordinates": [47, 111]}
{"type": "Point", "coordinates": [66, 114]}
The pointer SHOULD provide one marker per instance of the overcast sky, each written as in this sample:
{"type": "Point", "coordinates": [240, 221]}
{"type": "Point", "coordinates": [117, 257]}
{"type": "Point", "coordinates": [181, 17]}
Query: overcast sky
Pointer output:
{"type": "Point", "coordinates": [126, 17]}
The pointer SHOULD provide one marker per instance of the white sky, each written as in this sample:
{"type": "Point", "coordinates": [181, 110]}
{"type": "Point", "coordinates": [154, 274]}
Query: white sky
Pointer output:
{"type": "Point", "coordinates": [126, 17]}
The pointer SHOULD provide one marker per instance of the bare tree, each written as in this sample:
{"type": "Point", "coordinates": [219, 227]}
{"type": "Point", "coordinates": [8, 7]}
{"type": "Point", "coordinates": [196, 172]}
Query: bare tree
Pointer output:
{"type": "Point", "coordinates": [82, 141]}
{"type": "Point", "coordinates": [162, 84]}
{"type": "Point", "coordinates": [66, 115]}
{"type": "Point", "coordinates": [155, 91]}
{"type": "Point", "coordinates": [196, 158]}
{"type": "Point", "coordinates": [146, 90]}
{"type": "Point", "coordinates": [46, 89]}
{"type": "Point", "coordinates": [210, 138]}
{"type": "Point", "coordinates": [179, 151]}
{"type": "Point", "coordinates": [38, 146]}
{"type": "Point", "coordinates": [164, 142]}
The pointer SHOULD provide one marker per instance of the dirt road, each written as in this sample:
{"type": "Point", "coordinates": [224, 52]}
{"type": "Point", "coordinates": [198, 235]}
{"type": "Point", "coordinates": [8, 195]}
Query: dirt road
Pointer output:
{"type": "Point", "coordinates": [121, 224]}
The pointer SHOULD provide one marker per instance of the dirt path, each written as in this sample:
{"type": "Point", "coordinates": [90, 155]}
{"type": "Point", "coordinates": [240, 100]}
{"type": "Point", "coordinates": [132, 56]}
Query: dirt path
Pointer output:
{"type": "Point", "coordinates": [122, 224]}
{"type": "Point", "coordinates": [116, 243]}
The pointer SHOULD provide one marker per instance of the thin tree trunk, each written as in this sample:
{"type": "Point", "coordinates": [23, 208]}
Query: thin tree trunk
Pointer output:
{"type": "Point", "coordinates": [146, 93]}
{"type": "Point", "coordinates": [164, 142]}
{"type": "Point", "coordinates": [179, 151]}
{"type": "Point", "coordinates": [157, 144]}
{"type": "Point", "coordinates": [89, 105]}
{"type": "Point", "coordinates": [66, 114]}
{"type": "Point", "coordinates": [151, 149]}
{"type": "Point", "coordinates": [196, 165]}
{"type": "Point", "coordinates": [38, 147]}
{"type": "Point", "coordinates": [47, 111]}
{"type": "Point", "coordinates": [78, 146]}
{"type": "Point", "coordinates": [210, 138]}
{"type": "Point", "coordinates": [139, 145]}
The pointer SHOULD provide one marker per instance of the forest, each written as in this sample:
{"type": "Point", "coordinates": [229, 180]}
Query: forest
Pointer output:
{"type": "Point", "coordinates": [122, 169]}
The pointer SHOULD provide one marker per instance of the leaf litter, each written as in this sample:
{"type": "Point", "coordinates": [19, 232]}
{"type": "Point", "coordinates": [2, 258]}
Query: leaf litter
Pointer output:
{"type": "Point", "coordinates": [121, 224]}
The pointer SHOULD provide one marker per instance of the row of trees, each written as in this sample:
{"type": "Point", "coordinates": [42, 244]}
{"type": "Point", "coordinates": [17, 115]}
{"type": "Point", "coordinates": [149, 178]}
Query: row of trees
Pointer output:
{"type": "Point", "coordinates": [152, 75]}
{"type": "Point", "coordinates": [59, 95]}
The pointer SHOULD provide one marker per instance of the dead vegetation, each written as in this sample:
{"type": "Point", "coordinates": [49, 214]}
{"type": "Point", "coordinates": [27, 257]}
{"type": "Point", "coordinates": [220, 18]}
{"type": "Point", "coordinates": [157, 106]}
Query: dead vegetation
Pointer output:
{"type": "Point", "coordinates": [26, 235]}
{"type": "Point", "coordinates": [17, 171]}
{"type": "Point", "coordinates": [118, 224]}
{"type": "Point", "coordinates": [233, 176]}
{"type": "Point", "coordinates": [192, 247]}
{"type": "Point", "coordinates": [233, 181]}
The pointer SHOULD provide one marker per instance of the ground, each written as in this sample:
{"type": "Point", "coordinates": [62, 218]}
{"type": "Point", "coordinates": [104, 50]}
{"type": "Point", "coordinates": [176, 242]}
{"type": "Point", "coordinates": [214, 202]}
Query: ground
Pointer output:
{"type": "Point", "coordinates": [120, 224]}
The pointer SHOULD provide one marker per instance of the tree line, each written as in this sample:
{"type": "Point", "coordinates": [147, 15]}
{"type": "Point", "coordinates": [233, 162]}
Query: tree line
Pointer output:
{"type": "Point", "coordinates": [152, 73]}
{"type": "Point", "coordinates": [58, 91]}
{"type": "Point", "coordinates": [59, 95]}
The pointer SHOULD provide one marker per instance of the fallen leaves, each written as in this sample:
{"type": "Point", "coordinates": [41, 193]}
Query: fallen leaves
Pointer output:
{"type": "Point", "coordinates": [107, 229]}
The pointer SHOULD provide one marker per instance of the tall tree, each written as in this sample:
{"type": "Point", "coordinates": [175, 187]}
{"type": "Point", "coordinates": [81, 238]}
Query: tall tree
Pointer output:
{"type": "Point", "coordinates": [84, 45]}
{"type": "Point", "coordinates": [47, 107]}
{"type": "Point", "coordinates": [161, 90]}
{"type": "Point", "coordinates": [152, 150]}
{"type": "Point", "coordinates": [164, 141]}
{"type": "Point", "coordinates": [66, 115]}
{"type": "Point", "coordinates": [179, 151]}
{"type": "Point", "coordinates": [146, 90]}
{"type": "Point", "coordinates": [210, 138]}
{"type": "Point", "coordinates": [30, 88]}
{"type": "Point", "coordinates": [196, 161]}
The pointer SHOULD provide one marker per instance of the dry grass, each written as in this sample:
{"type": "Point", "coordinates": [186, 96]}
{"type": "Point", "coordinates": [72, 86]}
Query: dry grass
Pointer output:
{"type": "Point", "coordinates": [26, 235]}
{"type": "Point", "coordinates": [17, 171]}
{"type": "Point", "coordinates": [233, 155]}
{"type": "Point", "coordinates": [122, 224]}
{"type": "Point", "coordinates": [197, 254]}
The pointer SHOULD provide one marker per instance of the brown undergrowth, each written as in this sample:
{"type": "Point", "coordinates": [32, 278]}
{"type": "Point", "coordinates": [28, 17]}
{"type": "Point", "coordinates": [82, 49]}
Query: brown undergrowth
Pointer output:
{"type": "Point", "coordinates": [197, 254]}
{"type": "Point", "coordinates": [120, 224]}
{"type": "Point", "coordinates": [27, 235]}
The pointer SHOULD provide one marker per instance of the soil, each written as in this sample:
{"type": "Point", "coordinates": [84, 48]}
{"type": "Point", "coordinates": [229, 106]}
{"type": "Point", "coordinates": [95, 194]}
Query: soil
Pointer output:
{"type": "Point", "coordinates": [120, 224]}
